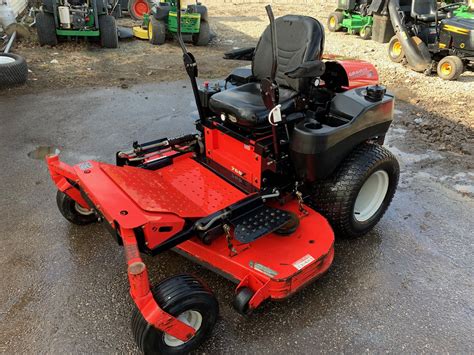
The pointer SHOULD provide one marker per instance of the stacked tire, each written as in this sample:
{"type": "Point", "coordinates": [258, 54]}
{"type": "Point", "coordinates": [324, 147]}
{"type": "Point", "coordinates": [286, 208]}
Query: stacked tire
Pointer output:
{"type": "Point", "coordinates": [13, 70]}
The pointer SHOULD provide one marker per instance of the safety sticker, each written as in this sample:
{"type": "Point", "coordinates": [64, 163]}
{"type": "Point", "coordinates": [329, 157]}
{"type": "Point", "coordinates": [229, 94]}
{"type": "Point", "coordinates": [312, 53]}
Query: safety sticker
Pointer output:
{"type": "Point", "coordinates": [264, 269]}
{"type": "Point", "coordinates": [305, 260]}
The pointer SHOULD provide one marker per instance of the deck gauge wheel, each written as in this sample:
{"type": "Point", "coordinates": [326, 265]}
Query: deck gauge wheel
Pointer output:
{"type": "Point", "coordinates": [241, 301]}
{"type": "Point", "coordinates": [74, 212]}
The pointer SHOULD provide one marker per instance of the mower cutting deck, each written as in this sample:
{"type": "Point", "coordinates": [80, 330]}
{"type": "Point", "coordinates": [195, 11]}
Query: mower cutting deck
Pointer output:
{"type": "Point", "coordinates": [290, 132]}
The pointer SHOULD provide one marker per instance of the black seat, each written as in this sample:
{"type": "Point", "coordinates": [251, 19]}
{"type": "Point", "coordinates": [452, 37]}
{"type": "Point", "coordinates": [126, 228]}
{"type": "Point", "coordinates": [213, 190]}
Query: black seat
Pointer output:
{"type": "Point", "coordinates": [425, 10]}
{"type": "Point", "coordinates": [300, 39]}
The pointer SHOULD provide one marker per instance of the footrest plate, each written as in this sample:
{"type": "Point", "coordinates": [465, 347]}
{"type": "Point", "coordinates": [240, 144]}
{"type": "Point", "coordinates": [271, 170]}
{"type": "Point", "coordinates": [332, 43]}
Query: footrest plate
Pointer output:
{"type": "Point", "coordinates": [259, 222]}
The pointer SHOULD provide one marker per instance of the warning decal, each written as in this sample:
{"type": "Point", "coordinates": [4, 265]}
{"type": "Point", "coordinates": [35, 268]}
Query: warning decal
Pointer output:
{"type": "Point", "coordinates": [305, 260]}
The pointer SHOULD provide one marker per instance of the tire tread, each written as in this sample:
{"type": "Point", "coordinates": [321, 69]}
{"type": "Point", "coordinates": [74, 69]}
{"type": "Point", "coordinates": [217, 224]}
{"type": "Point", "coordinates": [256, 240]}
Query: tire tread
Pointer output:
{"type": "Point", "coordinates": [334, 197]}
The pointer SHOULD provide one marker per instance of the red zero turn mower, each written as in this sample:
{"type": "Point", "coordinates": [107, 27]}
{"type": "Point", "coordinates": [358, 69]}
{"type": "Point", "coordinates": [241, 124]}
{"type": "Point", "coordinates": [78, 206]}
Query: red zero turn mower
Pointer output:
{"type": "Point", "coordinates": [287, 153]}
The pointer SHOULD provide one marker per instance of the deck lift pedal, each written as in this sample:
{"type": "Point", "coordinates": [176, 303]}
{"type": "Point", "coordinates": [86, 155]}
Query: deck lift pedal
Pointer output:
{"type": "Point", "coordinates": [282, 158]}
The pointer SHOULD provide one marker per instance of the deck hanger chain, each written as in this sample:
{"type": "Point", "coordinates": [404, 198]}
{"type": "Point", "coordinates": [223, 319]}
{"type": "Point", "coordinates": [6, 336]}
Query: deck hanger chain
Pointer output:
{"type": "Point", "coordinates": [228, 237]}
{"type": "Point", "coordinates": [299, 197]}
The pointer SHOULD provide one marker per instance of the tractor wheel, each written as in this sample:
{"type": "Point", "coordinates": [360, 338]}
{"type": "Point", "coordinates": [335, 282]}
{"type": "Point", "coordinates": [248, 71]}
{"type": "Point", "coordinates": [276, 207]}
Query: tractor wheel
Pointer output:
{"type": "Point", "coordinates": [108, 31]}
{"type": "Point", "coordinates": [241, 301]}
{"type": "Point", "coordinates": [365, 33]}
{"type": "Point", "coordinates": [46, 29]}
{"type": "Point", "coordinates": [395, 50]}
{"type": "Point", "coordinates": [138, 8]}
{"type": "Point", "coordinates": [186, 298]}
{"type": "Point", "coordinates": [74, 212]}
{"type": "Point", "coordinates": [204, 36]}
{"type": "Point", "coordinates": [48, 6]}
{"type": "Point", "coordinates": [450, 68]}
{"type": "Point", "coordinates": [13, 70]}
{"type": "Point", "coordinates": [199, 9]}
{"type": "Point", "coordinates": [357, 195]}
{"type": "Point", "coordinates": [156, 31]}
{"type": "Point", "coordinates": [335, 21]}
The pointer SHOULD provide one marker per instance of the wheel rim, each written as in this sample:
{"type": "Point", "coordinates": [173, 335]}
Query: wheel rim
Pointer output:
{"type": "Point", "coordinates": [362, 32]}
{"type": "Point", "coordinates": [446, 69]}
{"type": "Point", "coordinates": [191, 318]}
{"type": "Point", "coordinates": [150, 30]}
{"type": "Point", "coordinates": [371, 196]}
{"type": "Point", "coordinates": [332, 22]}
{"type": "Point", "coordinates": [83, 211]}
{"type": "Point", "coordinates": [140, 8]}
{"type": "Point", "coordinates": [6, 60]}
{"type": "Point", "coordinates": [396, 49]}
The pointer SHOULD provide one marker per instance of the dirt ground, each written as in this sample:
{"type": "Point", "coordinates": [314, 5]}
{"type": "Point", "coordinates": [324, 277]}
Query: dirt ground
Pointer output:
{"type": "Point", "coordinates": [440, 112]}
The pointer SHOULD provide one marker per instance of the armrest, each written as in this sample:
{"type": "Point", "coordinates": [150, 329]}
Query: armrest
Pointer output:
{"type": "Point", "coordinates": [240, 54]}
{"type": "Point", "coordinates": [310, 69]}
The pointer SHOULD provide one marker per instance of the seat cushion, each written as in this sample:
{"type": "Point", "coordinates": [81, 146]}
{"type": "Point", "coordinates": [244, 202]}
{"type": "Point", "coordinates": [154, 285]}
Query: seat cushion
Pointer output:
{"type": "Point", "coordinates": [299, 39]}
{"type": "Point", "coordinates": [244, 104]}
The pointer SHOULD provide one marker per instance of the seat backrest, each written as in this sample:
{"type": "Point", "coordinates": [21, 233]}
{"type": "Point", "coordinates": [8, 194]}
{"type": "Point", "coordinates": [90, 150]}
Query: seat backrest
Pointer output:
{"type": "Point", "coordinates": [423, 8]}
{"type": "Point", "coordinates": [299, 38]}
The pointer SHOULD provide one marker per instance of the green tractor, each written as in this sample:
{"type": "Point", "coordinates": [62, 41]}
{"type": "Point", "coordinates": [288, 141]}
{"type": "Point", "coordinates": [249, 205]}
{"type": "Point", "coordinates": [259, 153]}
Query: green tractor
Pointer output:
{"type": "Point", "coordinates": [465, 10]}
{"type": "Point", "coordinates": [353, 16]}
{"type": "Point", "coordinates": [457, 8]}
{"type": "Point", "coordinates": [162, 22]}
{"type": "Point", "coordinates": [76, 18]}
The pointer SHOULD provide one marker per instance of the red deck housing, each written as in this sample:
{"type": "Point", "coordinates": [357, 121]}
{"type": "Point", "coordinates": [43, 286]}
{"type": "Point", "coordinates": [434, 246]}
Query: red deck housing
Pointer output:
{"type": "Point", "coordinates": [274, 267]}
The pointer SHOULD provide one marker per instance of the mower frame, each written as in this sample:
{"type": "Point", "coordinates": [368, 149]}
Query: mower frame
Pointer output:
{"type": "Point", "coordinates": [162, 195]}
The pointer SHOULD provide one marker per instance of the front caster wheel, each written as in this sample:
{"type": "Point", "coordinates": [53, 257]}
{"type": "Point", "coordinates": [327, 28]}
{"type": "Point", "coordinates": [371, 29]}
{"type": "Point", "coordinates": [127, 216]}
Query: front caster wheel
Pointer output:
{"type": "Point", "coordinates": [357, 195]}
{"type": "Point", "coordinates": [74, 212]}
{"type": "Point", "coordinates": [187, 299]}
{"type": "Point", "coordinates": [241, 301]}
{"type": "Point", "coordinates": [395, 50]}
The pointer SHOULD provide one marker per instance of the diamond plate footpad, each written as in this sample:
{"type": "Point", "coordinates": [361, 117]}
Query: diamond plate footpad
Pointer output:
{"type": "Point", "coordinates": [258, 223]}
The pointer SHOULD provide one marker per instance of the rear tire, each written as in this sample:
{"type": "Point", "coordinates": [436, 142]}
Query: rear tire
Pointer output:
{"type": "Point", "coordinates": [157, 32]}
{"type": "Point", "coordinates": [108, 31]}
{"type": "Point", "coordinates": [357, 195]}
{"type": "Point", "coordinates": [185, 297]}
{"type": "Point", "coordinates": [73, 212]}
{"type": "Point", "coordinates": [46, 29]}
{"type": "Point", "coordinates": [335, 21]}
{"type": "Point", "coordinates": [13, 70]}
{"type": "Point", "coordinates": [137, 8]}
{"type": "Point", "coordinates": [199, 9]}
{"type": "Point", "coordinates": [450, 68]}
{"type": "Point", "coordinates": [395, 50]}
{"type": "Point", "coordinates": [204, 36]}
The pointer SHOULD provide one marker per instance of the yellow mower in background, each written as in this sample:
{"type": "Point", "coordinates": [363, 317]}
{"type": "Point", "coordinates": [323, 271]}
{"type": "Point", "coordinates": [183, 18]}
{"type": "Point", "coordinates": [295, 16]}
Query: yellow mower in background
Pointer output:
{"type": "Point", "coordinates": [162, 21]}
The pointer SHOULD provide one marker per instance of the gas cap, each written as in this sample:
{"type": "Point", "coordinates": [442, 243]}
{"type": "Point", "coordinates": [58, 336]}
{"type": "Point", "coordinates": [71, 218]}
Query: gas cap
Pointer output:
{"type": "Point", "coordinates": [375, 92]}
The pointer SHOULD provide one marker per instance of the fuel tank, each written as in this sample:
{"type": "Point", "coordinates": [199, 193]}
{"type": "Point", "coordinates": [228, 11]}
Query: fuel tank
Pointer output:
{"type": "Point", "coordinates": [318, 145]}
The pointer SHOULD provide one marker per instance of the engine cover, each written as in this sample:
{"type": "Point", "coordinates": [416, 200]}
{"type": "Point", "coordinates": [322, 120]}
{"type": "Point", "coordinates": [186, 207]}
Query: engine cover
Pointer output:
{"type": "Point", "coordinates": [459, 32]}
